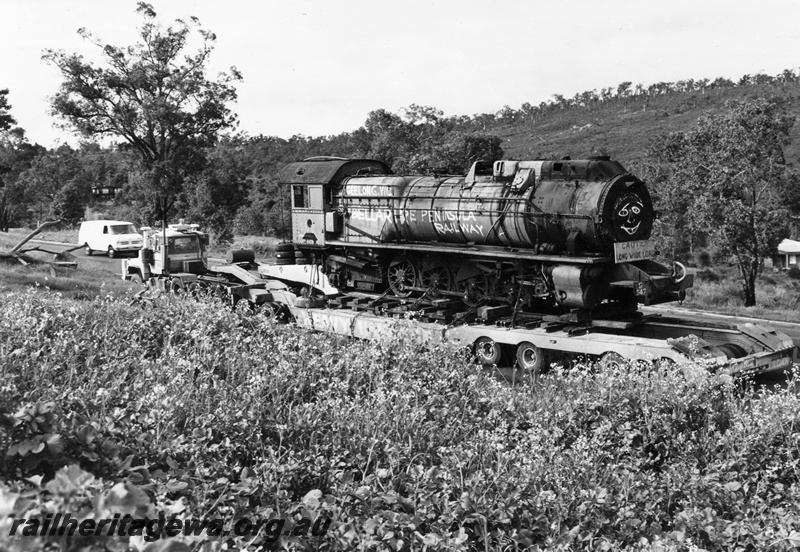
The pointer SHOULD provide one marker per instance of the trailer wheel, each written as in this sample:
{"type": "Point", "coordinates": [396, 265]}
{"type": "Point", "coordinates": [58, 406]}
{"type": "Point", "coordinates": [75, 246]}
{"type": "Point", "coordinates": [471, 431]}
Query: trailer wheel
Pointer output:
{"type": "Point", "coordinates": [175, 287]}
{"type": "Point", "coordinates": [611, 361]}
{"type": "Point", "coordinates": [487, 351]}
{"type": "Point", "coordinates": [194, 290]}
{"type": "Point", "coordinates": [530, 357]}
{"type": "Point", "coordinates": [220, 292]}
{"type": "Point", "coordinates": [273, 311]}
{"type": "Point", "coordinates": [268, 311]}
{"type": "Point", "coordinates": [664, 362]}
{"type": "Point", "coordinates": [732, 350]}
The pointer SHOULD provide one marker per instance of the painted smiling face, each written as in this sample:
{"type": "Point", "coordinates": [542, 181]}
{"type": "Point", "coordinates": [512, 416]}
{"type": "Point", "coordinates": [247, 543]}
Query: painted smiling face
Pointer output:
{"type": "Point", "coordinates": [629, 214]}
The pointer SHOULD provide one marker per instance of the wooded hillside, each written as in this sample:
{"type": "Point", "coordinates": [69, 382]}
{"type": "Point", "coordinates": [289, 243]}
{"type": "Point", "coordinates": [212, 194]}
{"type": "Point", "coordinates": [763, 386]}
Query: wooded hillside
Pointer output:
{"type": "Point", "coordinates": [623, 127]}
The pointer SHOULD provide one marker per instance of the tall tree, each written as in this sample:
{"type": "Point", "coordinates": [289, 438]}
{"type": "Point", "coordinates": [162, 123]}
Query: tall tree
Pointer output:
{"type": "Point", "coordinates": [219, 190]}
{"type": "Point", "coordinates": [423, 142]}
{"type": "Point", "coordinates": [728, 174]}
{"type": "Point", "coordinates": [153, 96]}
{"type": "Point", "coordinates": [16, 155]}
{"type": "Point", "coordinates": [56, 186]}
{"type": "Point", "coordinates": [6, 120]}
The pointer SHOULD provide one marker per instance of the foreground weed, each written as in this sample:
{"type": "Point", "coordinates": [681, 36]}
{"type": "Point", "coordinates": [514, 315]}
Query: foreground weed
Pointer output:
{"type": "Point", "coordinates": [198, 410]}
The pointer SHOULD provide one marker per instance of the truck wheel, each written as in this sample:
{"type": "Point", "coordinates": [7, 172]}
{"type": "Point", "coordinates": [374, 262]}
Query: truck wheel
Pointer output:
{"type": "Point", "coordinates": [487, 351]}
{"type": "Point", "coordinates": [88, 251]}
{"type": "Point", "coordinates": [136, 278]}
{"type": "Point", "coordinates": [194, 290]}
{"type": "Point", "coordinates": [530, 357]}
{"type": "Point", "coordinates": [111, 252]}
{"type": "Point", "coordinates": [175, 287]}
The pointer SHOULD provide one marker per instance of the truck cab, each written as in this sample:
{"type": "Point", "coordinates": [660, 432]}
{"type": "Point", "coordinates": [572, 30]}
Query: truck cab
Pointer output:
{"type": "Point", "coordinates": [171, 258]}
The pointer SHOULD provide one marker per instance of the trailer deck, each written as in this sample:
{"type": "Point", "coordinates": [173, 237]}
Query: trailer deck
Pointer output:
{"type": "Point", "coordinates": [762, 349]}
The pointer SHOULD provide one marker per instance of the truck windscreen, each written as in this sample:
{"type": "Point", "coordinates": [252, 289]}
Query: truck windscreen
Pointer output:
{"type": "Point", "coordinates": [188, 244]}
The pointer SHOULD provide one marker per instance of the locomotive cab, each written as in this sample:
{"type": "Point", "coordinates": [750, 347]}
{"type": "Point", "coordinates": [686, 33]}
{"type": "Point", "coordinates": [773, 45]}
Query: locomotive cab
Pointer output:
{"type": "Point", "coordinates": [308, 214]}
{"type": "Point", "coordinates": [313, 182]}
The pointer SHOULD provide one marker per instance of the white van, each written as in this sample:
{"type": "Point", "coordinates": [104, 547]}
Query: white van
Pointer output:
{"type": "Point", "coordinates": [109, 236]}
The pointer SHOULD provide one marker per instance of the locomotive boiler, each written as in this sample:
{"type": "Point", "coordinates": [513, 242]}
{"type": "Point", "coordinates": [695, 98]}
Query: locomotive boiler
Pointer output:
{"type": "Point", "coordinates": [536, 235]}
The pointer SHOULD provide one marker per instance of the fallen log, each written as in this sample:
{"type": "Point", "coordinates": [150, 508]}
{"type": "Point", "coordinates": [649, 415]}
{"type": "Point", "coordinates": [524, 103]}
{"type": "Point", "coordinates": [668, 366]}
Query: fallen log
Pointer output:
{"type": "Point", "coordinates": [43, 226]}
{"type": "Point", "coordinates": [61, 259]}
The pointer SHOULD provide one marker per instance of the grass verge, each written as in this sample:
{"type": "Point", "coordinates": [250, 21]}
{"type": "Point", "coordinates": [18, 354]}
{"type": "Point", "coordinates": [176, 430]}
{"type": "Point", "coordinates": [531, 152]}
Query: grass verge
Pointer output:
{"type": "Point", "coordinates": [777, 295]}
{"type": "Point", "coordinates": [14, 235]}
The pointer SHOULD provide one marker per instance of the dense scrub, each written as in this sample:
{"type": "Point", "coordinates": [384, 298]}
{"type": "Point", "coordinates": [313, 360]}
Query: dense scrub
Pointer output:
{"type": "Point", "coordinates": [197, 411]}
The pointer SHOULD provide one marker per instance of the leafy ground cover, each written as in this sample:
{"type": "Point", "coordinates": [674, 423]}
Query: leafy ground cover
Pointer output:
{"type": "Point", "coordinates": [194, 410]}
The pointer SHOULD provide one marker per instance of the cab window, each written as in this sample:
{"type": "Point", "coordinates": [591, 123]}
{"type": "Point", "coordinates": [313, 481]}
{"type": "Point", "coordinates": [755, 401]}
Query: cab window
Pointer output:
{"type": "Point", "coordinates": [300, 197]}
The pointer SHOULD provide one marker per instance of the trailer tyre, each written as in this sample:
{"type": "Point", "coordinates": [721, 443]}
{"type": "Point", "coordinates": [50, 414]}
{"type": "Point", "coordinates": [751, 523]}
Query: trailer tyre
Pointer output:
{"type": "Point", "coordinates": [732, 350]}
{"type": "Point", "coordinates": [194, 290]}
{"type": "Point", "coordinates": [610, 361]}
{"type": "Point", "coordinates": [530, 357]}
{"type": "Point", "coordinates": [664, 362]}
{"type": "Point", "coordinates": [220, 292]}
{"type": "Point", "coordinates": [487, 351]}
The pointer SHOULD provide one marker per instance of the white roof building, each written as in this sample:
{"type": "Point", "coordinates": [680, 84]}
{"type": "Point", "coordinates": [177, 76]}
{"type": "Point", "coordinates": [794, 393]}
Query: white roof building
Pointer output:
{"type": "Point", "coordinates": [788, 254]}
{"type": "Point", "coordinates": [789, 247]}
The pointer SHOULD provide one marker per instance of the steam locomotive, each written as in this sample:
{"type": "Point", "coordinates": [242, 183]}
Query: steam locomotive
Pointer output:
{"type": "Point", "coordinates": [558, 235]}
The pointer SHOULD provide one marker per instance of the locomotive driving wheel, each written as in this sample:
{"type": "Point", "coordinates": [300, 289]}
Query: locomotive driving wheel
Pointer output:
{"type": "Point", "coordinates": [402, 274]}
{"type": "Point", "coordinates": [473, 283]}
{"type": "Point", "coordinates": [436, 276]}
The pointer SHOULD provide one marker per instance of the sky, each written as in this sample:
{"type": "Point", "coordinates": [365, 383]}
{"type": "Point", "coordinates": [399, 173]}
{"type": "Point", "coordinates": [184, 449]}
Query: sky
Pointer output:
{"type": "Point", "coordinates": [318, 67]}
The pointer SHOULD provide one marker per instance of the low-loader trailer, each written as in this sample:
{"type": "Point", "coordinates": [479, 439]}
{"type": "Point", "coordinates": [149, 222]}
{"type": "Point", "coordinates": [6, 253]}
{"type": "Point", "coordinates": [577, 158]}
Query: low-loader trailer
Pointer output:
{"type": "Point", "coordinates": [498, 335]}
